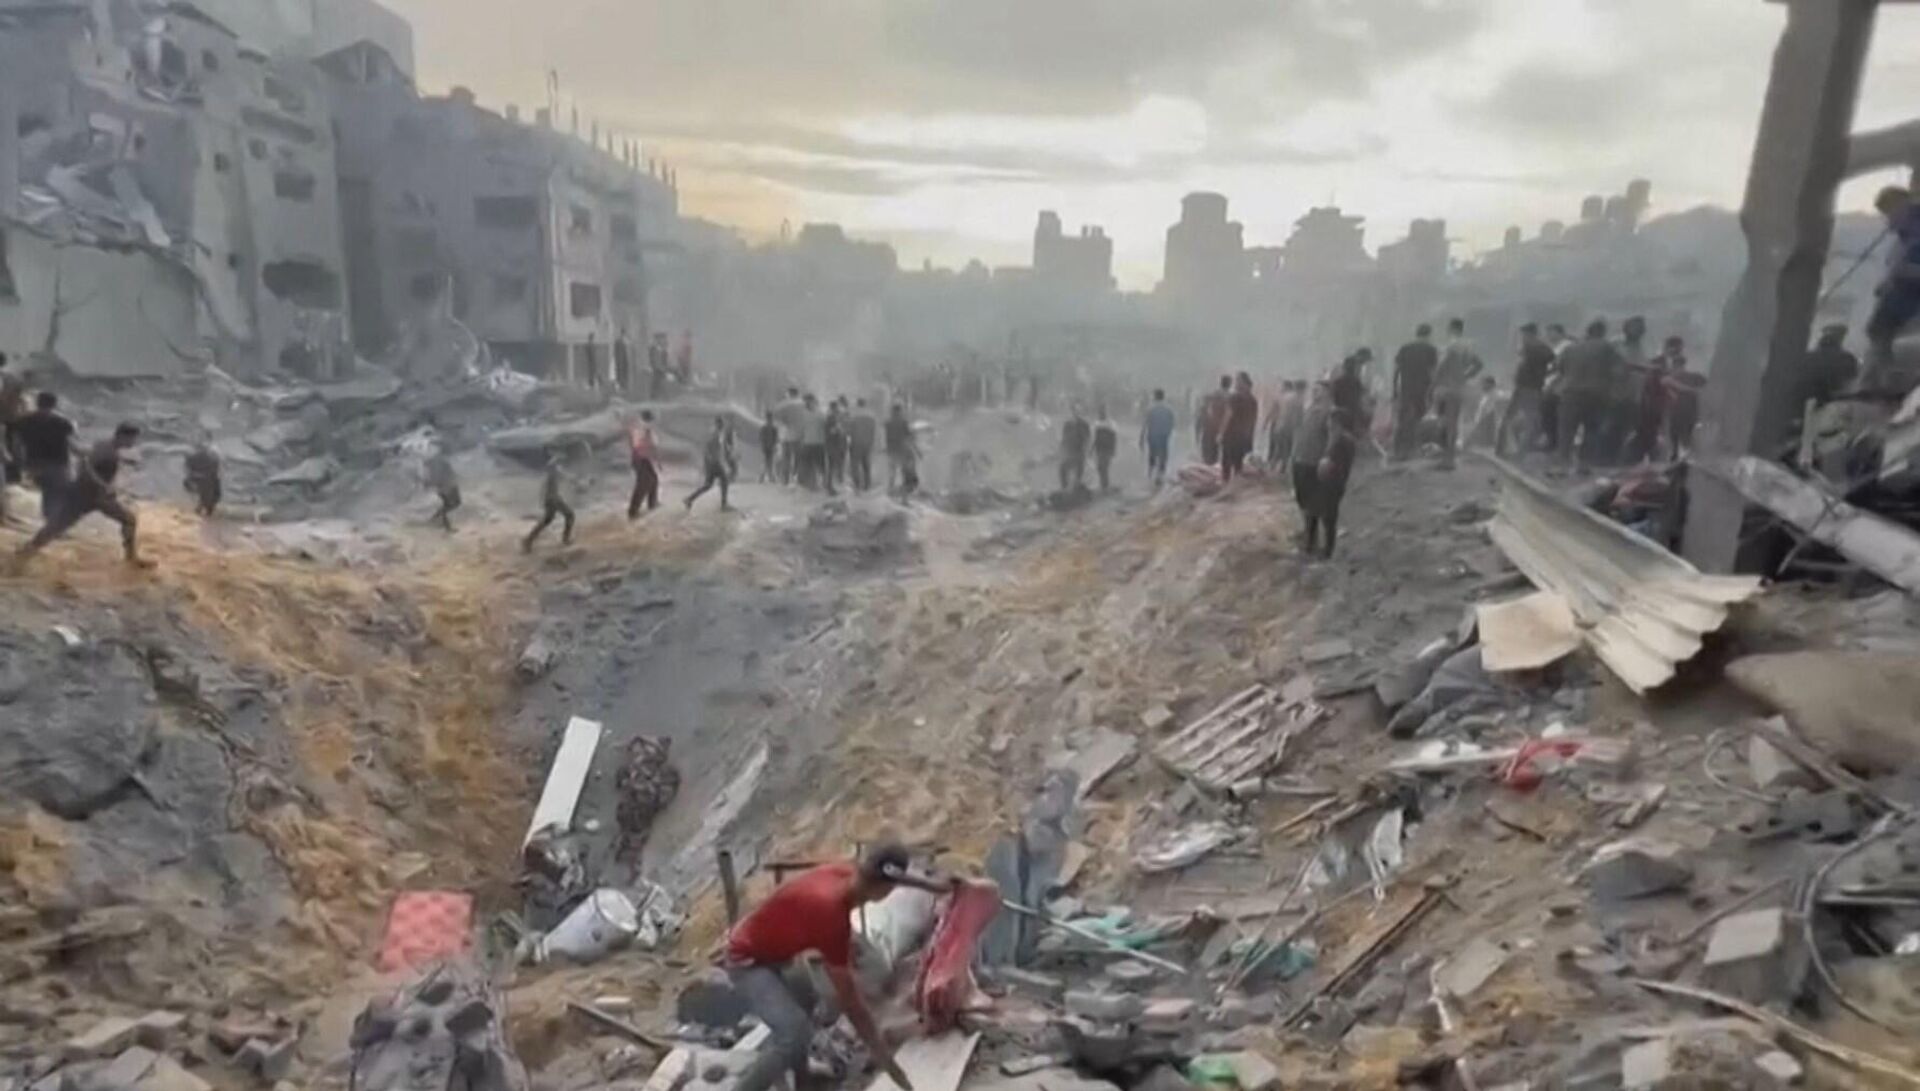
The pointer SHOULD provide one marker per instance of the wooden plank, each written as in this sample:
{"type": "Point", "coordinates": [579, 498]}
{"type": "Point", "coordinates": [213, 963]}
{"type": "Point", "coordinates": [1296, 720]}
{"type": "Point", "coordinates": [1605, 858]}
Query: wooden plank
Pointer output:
{"type": "Point", "coordinates": [1197, 727]}
{"type": "Point", "coordinates": [566, 777]}
{"type": "Point", "coordinates": [933, 1064]}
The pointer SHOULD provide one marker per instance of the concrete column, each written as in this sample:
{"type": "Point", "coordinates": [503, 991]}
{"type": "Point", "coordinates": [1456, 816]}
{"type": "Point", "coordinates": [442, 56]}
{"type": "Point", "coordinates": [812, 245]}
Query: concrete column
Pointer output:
{"type": "Point", "coordinates": [1799, 160]}
{"type": "Point", "coordinates": [9, 149]}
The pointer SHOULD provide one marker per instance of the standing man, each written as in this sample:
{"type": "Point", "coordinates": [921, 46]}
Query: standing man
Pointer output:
{"type": "Point", "coordinates": [203, 479]}
{"type": "Point", "coordinates": [862, 430]}
{"type": "Point", "coordinates": [1899, 291]}
{"type": "Point", "coordinates": [1211, 419]}
{"type": "Point", "coordinates": [1559, 342]}
{"type": "Point", "coordinates": [787, 415]}
{"type": "Point", "coordinates": [1521, 422]}
{"type": "Point", "coordinates": [46, 440]}
{"type": "Point", "coordinates": [1623, 412]}
{"type": "Point", "coordinates": [1075, 437]}
{"type": "Point", "coordinates": [769, 448]}
{"type": "Point", "coordinates": [93, 491]}
{"type": "Point", "coordinates": [445, 484]}
{"type": "Point", "coordinates": [903, 455]}
{"type": "Point", "coordinates": [1236, 434]}
{"type": "Point", "coordinates": [553, 505]}
{"type": "Point", "coordinates": [1283, 420]}
{"type": "Point", "coordinates": [836, 442]}
{"type": "Point", "coordinates": [644, 450]}
{"type": "Point", "coordinates": [622, 362]}
{"type": "Point", "coordinates": [657, 365]}
{"type": "Point", "coordinates": [812, 912]}
{"type": "Point", "coordinates": [716, 459]}
{"type": "Point", "coordinates": [1413, 371]}
{"type": "Point", "coordinates": [1589, 372]}
{"type": "Point", "coordinates": [1683, 408]}
{"type": "Point", "coordinates": [1458, 367]}
{"type": "Point", "coordinates": [813, 445]}
{"type": "Point", "coordinates": [1156, 436]}
{"type": "Point", "coordinates": [684, 363]}
{"type": "Point", "coordinates": [1106, 443]}
{"type": "Point", "coordinates": [1650, 413]}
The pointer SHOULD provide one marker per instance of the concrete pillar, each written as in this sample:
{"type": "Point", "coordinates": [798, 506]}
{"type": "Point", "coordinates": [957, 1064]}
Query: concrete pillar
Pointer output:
{"type": "Point", "coordinates": [9, 149]}
{"type": "Point", "coordinates": [1799, 160]}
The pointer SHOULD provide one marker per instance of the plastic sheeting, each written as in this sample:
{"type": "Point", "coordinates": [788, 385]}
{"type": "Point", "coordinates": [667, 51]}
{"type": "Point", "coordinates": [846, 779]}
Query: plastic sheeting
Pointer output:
{"type": "Point", "coordinates": [945, 987]}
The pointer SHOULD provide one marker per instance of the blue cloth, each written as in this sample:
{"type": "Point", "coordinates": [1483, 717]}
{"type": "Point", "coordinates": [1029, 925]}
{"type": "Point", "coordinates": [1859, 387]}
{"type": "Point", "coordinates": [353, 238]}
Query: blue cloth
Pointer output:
{"type": "Point", "coordinates": [1159, 423]}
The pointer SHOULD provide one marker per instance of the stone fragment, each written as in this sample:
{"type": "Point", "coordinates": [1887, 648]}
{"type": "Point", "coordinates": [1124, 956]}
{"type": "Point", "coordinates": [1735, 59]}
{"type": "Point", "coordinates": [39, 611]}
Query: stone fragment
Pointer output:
{"type": "Point", "coordinates": [1772, 770]}
{"type": "Point", "coordinates": [673, 1073]}
{"type": "Point", "coordinates": [1167, 1013]}
{"type": "Point", "coordinates": [1646, 1064]}
{"type": "Point", "coordinates": [1157, 717]}
{"type": "Point", "coordinates": [1462, 974]}
{"type": "Point", "coordinates": [1637, 868]}
{"type": "Point", "coordinates": [1780, 1067]}
{"type": "Point", "coordinates": [1753, 956]}
{"type": "Point", "coordinates": [128, 1068]}
{"type": "Point", "coordinates": [158, 1029]}
{"type": "Point", "coordinates": [268, 1060]}
{"type": "Point", "coordinates": [1037, 985]}
{"type": "Point", "coordinates": [167, 1075]}
{"type": "Point", "coordinates": [105, 1038]}
{"type": "Point", "coordinates": [1131, 975]}
{"type": "Point", "coordinates": [1104, 1006]}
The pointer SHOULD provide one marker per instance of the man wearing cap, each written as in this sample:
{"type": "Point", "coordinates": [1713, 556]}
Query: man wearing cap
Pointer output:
{"type": "Point", "coordinates": [812, 912]}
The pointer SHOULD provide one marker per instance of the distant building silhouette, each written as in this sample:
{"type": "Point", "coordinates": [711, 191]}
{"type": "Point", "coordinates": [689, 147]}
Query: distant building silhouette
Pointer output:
{"type": "Point", "coordinates": [1082, 262]}
{"type": "Point", "coordinates": [1206, 255]}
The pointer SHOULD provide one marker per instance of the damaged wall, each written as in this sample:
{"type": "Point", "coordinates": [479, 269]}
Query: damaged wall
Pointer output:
{"type": "Point", "coordinates": [106, 314]}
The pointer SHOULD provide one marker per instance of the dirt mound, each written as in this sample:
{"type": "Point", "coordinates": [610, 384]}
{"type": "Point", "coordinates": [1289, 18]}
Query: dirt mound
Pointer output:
{"type": "Point", "coordinates": [855, 535]}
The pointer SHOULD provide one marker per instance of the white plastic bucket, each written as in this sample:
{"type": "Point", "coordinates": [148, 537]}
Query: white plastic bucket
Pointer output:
{"type": "Point", "coordinates": [606, 919]}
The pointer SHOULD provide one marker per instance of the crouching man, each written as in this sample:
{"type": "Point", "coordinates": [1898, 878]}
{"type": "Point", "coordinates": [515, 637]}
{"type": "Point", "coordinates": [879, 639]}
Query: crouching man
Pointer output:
{"type": "Point", "coordinates": [811, 912]}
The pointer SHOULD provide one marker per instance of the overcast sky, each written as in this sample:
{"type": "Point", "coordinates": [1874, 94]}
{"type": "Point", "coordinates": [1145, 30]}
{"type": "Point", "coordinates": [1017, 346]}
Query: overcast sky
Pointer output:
{"type": "Point", "coordinates": [945, 126]}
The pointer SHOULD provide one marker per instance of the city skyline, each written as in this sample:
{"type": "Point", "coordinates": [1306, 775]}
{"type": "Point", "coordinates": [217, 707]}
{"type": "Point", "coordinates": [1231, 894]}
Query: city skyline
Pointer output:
{"type": "Point", "coordinates": [931, 125]}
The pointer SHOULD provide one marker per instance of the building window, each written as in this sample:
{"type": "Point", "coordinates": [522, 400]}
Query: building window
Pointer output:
{"type": "Point", "coordinates": [209, 62]}
{"type": "Point", "coordinates": [221, 164]}
{"type": "Point", "coordinates": [506, 213]}
{"type": "Point", "coordinates": [288, 98]}
{"type": "Point", "coordinates": [580, 220]}
{"type": "Point", "coordinates": [425, 287]}
{"type": "Point", "coordinates": [257, 148]}
{"type": "Point", "coordinates": [509, 289]}
{"type": "Point", "coordinates": [583, 300]}
{"type": "Point", "coordinates": [293, 185]}
{"type": "Point", "coordinates": [304, 283]}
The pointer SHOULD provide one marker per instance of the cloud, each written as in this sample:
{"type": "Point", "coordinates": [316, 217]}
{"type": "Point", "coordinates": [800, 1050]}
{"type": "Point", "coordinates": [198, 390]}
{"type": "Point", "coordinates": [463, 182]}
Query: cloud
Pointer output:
{"type": "Point", "coordinates": [1541, 101]}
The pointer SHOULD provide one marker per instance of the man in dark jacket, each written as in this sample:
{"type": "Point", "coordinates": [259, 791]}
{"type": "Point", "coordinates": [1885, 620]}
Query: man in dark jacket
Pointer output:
{"type": "Point", "coordinates": [1413, 373]}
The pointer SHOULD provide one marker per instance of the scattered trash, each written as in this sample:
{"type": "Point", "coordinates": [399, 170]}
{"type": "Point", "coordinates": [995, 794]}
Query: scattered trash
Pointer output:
{"type": "Point", "coordinates": [603, 922]}
{"type": "Point", "coordinates": [426, 926]}
{"type": "Point", "coordinates": [1179, 848]}
{"type": "Point", "coordinates": [1242, 738]}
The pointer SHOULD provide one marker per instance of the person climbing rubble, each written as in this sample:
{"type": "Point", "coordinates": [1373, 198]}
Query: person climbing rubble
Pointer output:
{"type": "Point", "coordinates": [92, 491]}
{"type": "Point", "coordinates": [812, 913]}
{"type": "Point", "coordinates": [553, 505]}
{"type": "Point", "coordinates": [446, 485]}
{"type": "Point", "coordinates": [203, 479]}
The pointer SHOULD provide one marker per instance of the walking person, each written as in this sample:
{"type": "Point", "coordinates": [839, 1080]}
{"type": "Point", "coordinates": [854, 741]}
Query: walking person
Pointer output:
{"type": "Point", "coordinates": [1075, 437]}
{"type": "Point", "coordinates": [553, 505]}
{"type": "Point", "coordinates": [46, 441]}
{"type": "Point", "coordinates": [643, 450]}
{"type": "Point", "coordinates": [1236, 434]}
{"type": "Point", "coordinates": [769, 449]}
{"type": "Point", "coordinates": [903, 454]}
{"type": "Point", "coordinates": [862, 430]}
{"type": "Point", "coordinates": [1323, 456]}
{"type": "Point", "coordinates": [1106, 443]}
{"type": "Point", "coordinates": [716, 461]}
{"type": "Point", "coordinates": [1589, 370]}
{"type": "Point", "coordinates": [1413, 374]}
{"type": "Point", "coordinates": [203, 479]}
{"type": "Point", "coordinates": [1283, 420]}
{"type": "Point", "coordinates": [1520, 425]}
{"type": "Point", "coordinates": [1683, 411]}
{"type": "Point", "coordinates": [836, 442]}
{"type": "Point", "coordinates": [1211, 419]}
{"type": "Point", "coordinates": [1156, 436]}
{"type": "Point", "coordinates": [445, 485]}
{"type": "Point", "coordinates": [812, 430]}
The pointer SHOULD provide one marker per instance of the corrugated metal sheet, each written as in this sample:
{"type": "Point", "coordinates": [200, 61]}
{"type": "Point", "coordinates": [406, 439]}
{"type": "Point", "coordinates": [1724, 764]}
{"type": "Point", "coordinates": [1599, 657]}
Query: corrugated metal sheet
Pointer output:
{"type": "Point", "coordinates": [1641, 609]}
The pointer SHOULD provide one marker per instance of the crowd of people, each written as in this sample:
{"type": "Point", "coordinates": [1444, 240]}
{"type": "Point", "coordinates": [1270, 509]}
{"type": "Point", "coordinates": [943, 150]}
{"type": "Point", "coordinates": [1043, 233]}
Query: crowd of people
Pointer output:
{"type": "Point", "coordinates": [804, 445]}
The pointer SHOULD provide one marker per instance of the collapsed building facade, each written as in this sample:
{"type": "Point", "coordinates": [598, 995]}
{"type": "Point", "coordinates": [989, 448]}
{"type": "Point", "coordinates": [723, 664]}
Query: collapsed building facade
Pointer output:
{"type": "Point", "coordinates": [534, 238]}
{"type": "Point", "coordinates": [166, 192]}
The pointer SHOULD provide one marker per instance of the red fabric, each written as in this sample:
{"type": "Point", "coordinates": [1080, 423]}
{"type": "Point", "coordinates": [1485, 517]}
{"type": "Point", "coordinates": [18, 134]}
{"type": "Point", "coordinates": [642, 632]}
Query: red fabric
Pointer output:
{"type": "Point", "coordinates": [945, 987]}
{"type": "Point", "coordinates": [426, 926]}
{"type": "Point", "coordinates": [1520, 774]}
{"type": "Point", "coordinates": [807, 913]}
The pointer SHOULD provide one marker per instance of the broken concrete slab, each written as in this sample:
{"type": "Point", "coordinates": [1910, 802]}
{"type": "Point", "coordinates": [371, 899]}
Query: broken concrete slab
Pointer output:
{"type": "Point", "coordinates": [932, 1064]}
{"type": "Point", "coordinates": [566, 777]}
{"type": "Point", "coordinates": [1104, 752]}
{"type": "Point", "coordinates": [158, 1029]}
{"type": "Point", "coordinates": [269, 1060]}
{"type": "Point", "coordinates": [167, 1075]}
{"type": "Point", "coordinates": [104, 1039]}
{"type": "Point", "coordinates": [1168, 1014]}
{"type": "Point", "coordinates": [1646, 1064]}
{"type": "Point", "coordinates": [1755, 956]}
{"type": "Point", "coordinates": [128, 1068]}
{"type": "Point", "coordinates": [1772, 770]}
{"type": "Point", "coordinates": [1780, 1067]}
{"type": "Point", "coordinates": [1105, 1007]}
{"type": "Point", "coordinates": [1637, 868]}
{"type": "Point", "coordinates": [1854, 707]}
{"type": "Point", "coordinates": [1155, 718]}
{"type": "Point", "coordinates": [1462, 974]}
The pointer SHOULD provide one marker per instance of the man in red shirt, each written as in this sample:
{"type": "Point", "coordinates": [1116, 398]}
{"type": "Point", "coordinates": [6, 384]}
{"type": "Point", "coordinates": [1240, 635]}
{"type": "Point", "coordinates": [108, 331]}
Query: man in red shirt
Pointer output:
{"type": "Point", "coordinates": [813, 912]}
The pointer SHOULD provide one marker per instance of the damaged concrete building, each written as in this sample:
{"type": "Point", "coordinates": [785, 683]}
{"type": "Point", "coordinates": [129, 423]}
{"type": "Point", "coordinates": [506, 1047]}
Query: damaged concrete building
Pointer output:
{"type": "Point", "coordinates": [532, 237]}
{"type": "Point", "coordinates": [161, 168]}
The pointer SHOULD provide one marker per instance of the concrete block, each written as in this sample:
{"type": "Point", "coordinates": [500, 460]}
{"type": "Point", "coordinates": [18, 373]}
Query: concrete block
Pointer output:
{"type": "Point", "coordinates": [1167, 1013]}
{"type": "Point", "coordinates": [104, 1039]}
{"type": "Point", "coordinates": [1105, 1007]}
{"type": "Point", "coordinates": [267, 1060]}
{"type": "Point", "coordinates": [128, 1068]}
{"type": "Point", "coordinates": [167, 1075]}
{"type": "Point", "coordinates": [1755, 956]}
{"type": "Point", "coordinates": [1252, 1072]}
{"type": "Point", "coordinates": [673, 1073]}
{"type": "Point", "coordinates": [1157, 717]}
{"type": "Point", "coordinates": [1462, 974]}
{"type": "Point", "coordinates": [1646, 1064]}
{"type": "Point", "coordinates": [159, 1029]}
{"type": "Point", "coordinates": [1637, 868]}
{"type": "Point", "coordinates": [1780, 1067]}
{"type": "Point", "coordinates": [1040, 986]}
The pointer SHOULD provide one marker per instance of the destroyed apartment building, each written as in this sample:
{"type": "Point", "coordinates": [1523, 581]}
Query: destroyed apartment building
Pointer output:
{"type": "Point", "coordinates": [167, 195]}
{"type": "Point", "coordinates": [532, 237]}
